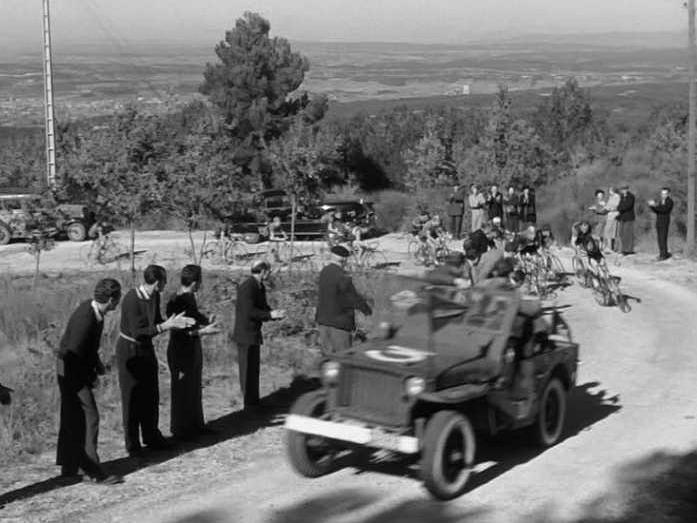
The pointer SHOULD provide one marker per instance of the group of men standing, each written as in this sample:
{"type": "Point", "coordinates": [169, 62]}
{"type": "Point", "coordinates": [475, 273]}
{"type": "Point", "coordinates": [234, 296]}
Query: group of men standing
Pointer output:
{"type": "Point", "coordinates": [79, 364]}
{"type": "Point", "coordinates": [512, 210]}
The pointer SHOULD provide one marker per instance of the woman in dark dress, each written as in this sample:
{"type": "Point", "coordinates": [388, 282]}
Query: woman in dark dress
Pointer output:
{"type": "Point", "coordinates": [185, 358]}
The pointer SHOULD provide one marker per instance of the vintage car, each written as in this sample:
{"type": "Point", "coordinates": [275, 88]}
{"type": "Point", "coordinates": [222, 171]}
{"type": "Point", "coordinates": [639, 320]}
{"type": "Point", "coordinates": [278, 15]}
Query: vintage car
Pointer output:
{"type": "Point", "coordinates": [455, 367]}
{"type": "Point", "coordinates": [311, 219]}
{"type": "Point", "coordinates": [22, 211]}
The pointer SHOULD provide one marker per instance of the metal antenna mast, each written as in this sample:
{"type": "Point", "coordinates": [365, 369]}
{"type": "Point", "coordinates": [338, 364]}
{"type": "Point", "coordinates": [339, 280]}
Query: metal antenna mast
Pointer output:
{"type": "Point", "coordinates": [48, 100]}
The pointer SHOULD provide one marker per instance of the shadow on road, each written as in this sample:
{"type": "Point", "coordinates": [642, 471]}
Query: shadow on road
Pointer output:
{"type": "Point", "coordinates": [233, 425]}
{"type": "Point", "coordinates": [359, 505]}
{"type": "Point", "coordinates": [507, 451]}
{"type": "Point", "coordinates": [661, 487]}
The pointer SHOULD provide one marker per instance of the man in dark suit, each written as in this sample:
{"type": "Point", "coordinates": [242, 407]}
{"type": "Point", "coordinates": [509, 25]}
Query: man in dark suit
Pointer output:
{"type": "Point", "coordinates": [494, 203]}
{"type": "Point", "coordinates": [662, 208]}
{"type": "Point", "coordinates": [626, 219]}
{"type": "Point", "coordinates": [337, 302]}
{"type": "Point", "coordinates": [456, 209]}
{"type": "Point", "coordinates": [141, 321]}
{"type": "Point", "coordinates": [527, 207]}
{"type": "Point", "coordinates": [78, 366]}
{"type": "Point", "coordinates": [251, 310]}
{"type": "Point", "coordinates": [5, 395]}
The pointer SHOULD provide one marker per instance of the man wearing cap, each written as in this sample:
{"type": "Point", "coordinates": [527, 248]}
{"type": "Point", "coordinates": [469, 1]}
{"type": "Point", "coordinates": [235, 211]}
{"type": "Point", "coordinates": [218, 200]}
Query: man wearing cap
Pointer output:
{"type": "Point", "coordinates": [337, 302]}
{"type": "Point", "coordinates": [251, 310]}
{"type": "Point", "coordinates": [626, 219]}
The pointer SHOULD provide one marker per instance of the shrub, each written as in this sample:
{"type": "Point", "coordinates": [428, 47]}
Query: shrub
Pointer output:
{"type": "Point", "coordinates": [392, 208]}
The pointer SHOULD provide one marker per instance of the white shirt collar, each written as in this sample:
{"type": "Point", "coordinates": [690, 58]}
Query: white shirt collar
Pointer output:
{"type": "Point", "coordinates": [143, 293]}
{"type": "Point", "coordinates": [98, 314]}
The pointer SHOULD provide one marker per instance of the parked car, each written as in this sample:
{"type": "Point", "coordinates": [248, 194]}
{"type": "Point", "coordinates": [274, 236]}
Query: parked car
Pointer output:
{"type": "Point", "coordinates": [452, 370]}
{"type": "Point", "coordinates": [311, 219]}
{"type": "Point", "coordinates": [22, 211]}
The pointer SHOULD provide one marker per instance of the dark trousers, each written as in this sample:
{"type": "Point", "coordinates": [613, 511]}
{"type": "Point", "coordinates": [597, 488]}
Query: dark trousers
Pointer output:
{"type": "Point", "coordinates": [512, 223]}
{"type": "Point", "coordinates": [626, 232]}
{"type": "Point", "coordinates": [248, 361]}
{"type": "Point", "coordinates": [456, 225]}
{"type": "Point", "coordinates": [140, 393]}
{"type": "Point", "coordinates": [186, 365]}
{"type": "Point", "coordinates": [333, 340]}
{"type": "Point", "coordinates": [79, 430]}
{"type": "Point", "coordinates": [662, 235]}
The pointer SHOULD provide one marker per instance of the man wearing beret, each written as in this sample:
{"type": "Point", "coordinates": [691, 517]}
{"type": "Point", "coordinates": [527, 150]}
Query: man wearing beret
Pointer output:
{"type": "Point", "coordinates": [251, 310]}
{"type": "Point", "coordinates": [337, 303]}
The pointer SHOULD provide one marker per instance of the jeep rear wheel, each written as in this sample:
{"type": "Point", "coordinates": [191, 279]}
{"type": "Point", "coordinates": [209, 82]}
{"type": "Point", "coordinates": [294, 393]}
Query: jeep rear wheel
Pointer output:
{"type": "Point", "coordinates": [448, 454]}
{"type": "Point", "coordinates": [549, 424]}
{"type": "Point", "coordinates": [5, 234]}
{"type": "Point", "coordinates": [312, 456]}
{"type": "Point", "coordinates": [76, 232]}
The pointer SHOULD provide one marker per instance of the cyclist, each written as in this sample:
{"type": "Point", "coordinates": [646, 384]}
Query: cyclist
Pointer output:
{"type": "Point", "coordinates": [587, 245]}
{"type": "Point", "coordinates": [276, 232]}
{"type": "Point", "coordinates": [417, 224]}
{"type": "Point", "coordinates": [432, 235]}
{"type": "Point", "coordinates": [545, 238]}
{"type": "Point", "coordinates": [337, 230]}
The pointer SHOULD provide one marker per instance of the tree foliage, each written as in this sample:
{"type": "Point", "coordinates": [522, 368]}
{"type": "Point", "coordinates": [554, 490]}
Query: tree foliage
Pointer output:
{"type": "Point", "coordinates": [252, 84]}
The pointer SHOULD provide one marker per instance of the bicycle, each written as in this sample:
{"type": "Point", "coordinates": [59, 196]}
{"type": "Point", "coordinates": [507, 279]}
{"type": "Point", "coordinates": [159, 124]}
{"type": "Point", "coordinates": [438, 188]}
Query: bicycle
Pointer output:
{"type": "Point", "coordinates": [104, 250]}
{"type": "Point", "coordinates": [228, 249]}
{"type": "Point", "coordinates": [366, 256]}
{"type": "Point", "coordinates": [606, 288]}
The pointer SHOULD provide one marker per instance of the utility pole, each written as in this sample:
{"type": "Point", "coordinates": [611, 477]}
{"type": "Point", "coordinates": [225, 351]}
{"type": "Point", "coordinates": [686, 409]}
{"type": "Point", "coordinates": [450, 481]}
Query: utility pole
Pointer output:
{"type": "Point", "coordinates": [692, 56]}
{"type": "Point", "coordinates": [48, 100]}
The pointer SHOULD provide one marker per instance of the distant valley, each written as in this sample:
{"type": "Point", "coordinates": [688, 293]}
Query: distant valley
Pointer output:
{"type": "Point", "coordinates": [93, 80]}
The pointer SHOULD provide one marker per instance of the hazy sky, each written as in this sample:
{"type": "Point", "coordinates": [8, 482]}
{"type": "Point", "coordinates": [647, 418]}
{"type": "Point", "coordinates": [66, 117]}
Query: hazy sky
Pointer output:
{"type": "Point", "coordinates": [422, 21]}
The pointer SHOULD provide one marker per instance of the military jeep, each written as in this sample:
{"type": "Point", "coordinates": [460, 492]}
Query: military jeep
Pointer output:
{"type": "Point", "coordinates": [22, 211]}
{"type": "Point", "coordinates": [482, 362]}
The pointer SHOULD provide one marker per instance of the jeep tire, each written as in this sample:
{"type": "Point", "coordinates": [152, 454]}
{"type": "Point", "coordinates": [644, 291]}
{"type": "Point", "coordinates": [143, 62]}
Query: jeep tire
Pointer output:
{"type": "Point", "coordinates": [447, 455]}
{"type": "Point", "coordinates": [5, 234]}
{"type": "Point", "coordinates": [76, 232]}
{"type": "Point", "coordinates": [549, 424]}
{"type": "Point", "coordinates": [311, 456]}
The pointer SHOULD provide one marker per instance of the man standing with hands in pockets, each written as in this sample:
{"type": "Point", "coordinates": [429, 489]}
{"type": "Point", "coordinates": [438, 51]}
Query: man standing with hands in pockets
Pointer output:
{"type": "Point", "coordinates": [251, 310]}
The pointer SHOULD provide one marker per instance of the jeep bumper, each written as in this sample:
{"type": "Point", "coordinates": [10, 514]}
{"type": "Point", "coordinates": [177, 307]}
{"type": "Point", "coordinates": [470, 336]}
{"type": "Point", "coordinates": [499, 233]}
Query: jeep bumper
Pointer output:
{"type": "Point", "coordinates": [354, 433]}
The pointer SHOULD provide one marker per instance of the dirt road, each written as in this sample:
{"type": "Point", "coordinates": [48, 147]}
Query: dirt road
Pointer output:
{"type": "Point", "coordinates": [635, 397]}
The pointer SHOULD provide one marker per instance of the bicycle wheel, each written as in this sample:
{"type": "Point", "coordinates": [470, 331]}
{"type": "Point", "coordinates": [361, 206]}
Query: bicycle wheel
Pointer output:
{"type": "Point", "coordinates": [237, 252]}
{"type": "Point", "coordinates": [600, 291]}
{"type": "Point", "coordinates": [580, 271]}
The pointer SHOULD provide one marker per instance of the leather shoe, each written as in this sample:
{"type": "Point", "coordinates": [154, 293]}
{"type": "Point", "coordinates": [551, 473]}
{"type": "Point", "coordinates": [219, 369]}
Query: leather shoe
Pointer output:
{"type": "Point", "coordinates": [160, 444]}
{"type": "Point", "coordinates": [111, 479]}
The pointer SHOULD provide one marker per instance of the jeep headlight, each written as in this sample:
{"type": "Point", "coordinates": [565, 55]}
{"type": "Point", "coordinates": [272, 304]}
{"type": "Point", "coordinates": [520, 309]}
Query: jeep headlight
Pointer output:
{"type": "Point", "coordinates": [414, 386]}
{"type": "Point", "coordinates": [330, 372]}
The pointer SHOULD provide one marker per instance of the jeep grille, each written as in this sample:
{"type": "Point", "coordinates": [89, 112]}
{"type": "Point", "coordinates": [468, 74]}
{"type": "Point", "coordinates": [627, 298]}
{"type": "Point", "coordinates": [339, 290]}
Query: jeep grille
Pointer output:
{"type": "Point", "coordinates": [371, 395]}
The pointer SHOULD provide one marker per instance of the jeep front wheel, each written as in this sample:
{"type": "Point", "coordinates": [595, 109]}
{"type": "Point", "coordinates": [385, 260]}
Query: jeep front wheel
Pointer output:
{"type": "Point", "coordinates": [448, 454]}
{"type": "Point", "coordinates": [311, 456]}
{"type": "Point", "coordinates": [549, 424]}
{"type": "Point", "coordinates": [5, 234]}
{"type": "Point", "coordinates": [76, 232]}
